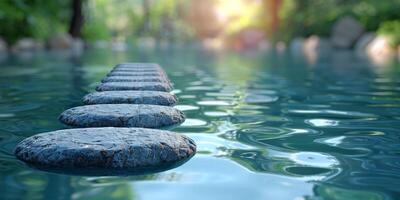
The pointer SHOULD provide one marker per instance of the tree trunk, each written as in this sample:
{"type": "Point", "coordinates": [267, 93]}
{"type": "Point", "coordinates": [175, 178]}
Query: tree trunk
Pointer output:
{"type": "Point", "coordinates": [76, 22]}
{"type": "Point", "coordinates": [273, 8]}
{"type": "Point", "coordinates": [146, 18]}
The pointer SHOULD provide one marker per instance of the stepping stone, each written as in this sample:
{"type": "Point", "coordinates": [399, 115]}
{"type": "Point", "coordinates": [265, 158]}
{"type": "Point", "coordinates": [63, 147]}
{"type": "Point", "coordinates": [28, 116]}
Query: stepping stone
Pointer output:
{"type": "Point", "coordinates": [149, 67]}
{"type": "Point", "coordinates": [131, 97]}
{"type": "Point", "coordinates": [117, 86]}
{"type": "Point", "coordinates": [162, 74]}
{"type": "Point", "coordinates": [106, 151]}
{"type": "Point", "coordinates": [136, 79]}
{"type": "Point", "coordinates": [122, 115]}
{"type": "Point", "coordinates": [138, 65]}
{"type": "Point", "coordinates": [136, 70]}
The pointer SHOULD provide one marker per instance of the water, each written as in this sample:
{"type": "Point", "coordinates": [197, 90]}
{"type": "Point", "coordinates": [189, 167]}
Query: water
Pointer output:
{"type": "Point", "coordinates": [267, 125]}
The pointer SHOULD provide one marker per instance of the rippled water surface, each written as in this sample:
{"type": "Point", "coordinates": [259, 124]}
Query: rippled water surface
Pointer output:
{"type": "Point", "coordinates": [267, 125]}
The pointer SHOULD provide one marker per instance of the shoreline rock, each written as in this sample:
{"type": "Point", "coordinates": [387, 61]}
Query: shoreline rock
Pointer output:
{"type": "Point", "coordinates": [26, 45]}
{"type": "Point", "coordinates": [380, 51]}
{"type": "Point", "coordinates": [345, 32]}
{"type": "Point", "coordinates": [60, 41]}
{"type": "Point", "coordinates": [3, 45]}
{"type": "Point", "coordinates": [362, 43]}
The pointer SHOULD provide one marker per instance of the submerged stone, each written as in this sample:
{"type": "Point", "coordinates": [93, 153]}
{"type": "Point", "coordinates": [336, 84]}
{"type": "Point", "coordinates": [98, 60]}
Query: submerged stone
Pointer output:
{"type": "Point", "coordinates": [152, 86]}
{"type": "Point", "coordinates": [136, 79]}
{"type": "Point", "coordinates": [122, 115]}
{"type": "Point", "coordinates": [106, 151]}
{"type": "Point", "coordinates": [131, 97]}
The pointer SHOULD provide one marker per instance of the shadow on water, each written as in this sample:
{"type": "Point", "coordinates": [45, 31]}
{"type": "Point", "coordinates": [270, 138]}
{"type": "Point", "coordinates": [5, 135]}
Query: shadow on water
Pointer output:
{"type": "Point", "coordinates": [96, 171]}
{"type": "Point", "coordinates": [267, 125]}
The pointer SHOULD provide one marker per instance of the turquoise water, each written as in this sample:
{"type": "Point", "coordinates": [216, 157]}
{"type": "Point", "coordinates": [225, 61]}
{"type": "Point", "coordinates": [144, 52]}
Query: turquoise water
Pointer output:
{"type": "Point", "coordinates": [267, 125]}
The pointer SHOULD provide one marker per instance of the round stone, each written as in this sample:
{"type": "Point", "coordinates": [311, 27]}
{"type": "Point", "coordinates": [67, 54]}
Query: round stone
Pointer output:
{"type": "Point", "coordinates": [106, 151]}
{"type": "Point", "coordinates": [131, 97]}
{"type": "Point", "coordinates": [152, 86]}
{"type": "Point", "coordinates": [158, 73]}
{"type": "Point", "coordinates": [138, 65]}
{"type": "Point", "coordinates": [135, 79]}
{"type": "Point", "coordinates": [122, 115]}
{"type": "Point", "coordinates": [136, 70]}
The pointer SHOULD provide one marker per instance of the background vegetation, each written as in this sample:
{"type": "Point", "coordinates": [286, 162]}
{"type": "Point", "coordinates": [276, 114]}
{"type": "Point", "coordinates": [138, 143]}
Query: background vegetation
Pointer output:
{"type": "Point", "coordinates": [316, 17]}
{"type": "Point", "coordinates": [33, 18]}
{"type": "Point", "coordinates": [187, 20]}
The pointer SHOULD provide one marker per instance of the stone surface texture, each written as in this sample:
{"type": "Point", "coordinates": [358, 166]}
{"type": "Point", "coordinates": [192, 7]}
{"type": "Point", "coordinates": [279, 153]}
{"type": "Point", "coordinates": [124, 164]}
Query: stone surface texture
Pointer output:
{"type": "Point", "coordinates": [137, 70]}
{"type": "Point", "coordinates": [138, 65]}
{"type": "Point", "coordinates": [119, 73]}
{"type": "Point", "coordinates": [131, 97]}
{"type": "Point", "coordinates": [106, 151]}
{"type": "Point", "coordinates": [122, 115]}
{"type": "Point", "coordinates": [136, 79]}
{"type": "Point", "coordinates": [117, 86]}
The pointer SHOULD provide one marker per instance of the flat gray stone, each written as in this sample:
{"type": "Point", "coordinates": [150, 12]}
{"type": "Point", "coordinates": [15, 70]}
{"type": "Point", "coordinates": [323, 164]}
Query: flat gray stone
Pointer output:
{"type": "Point", "coordinates": [138, 65]}
{"type": "Point", "coordinates": [122, 115]}
{"type": "Point", "coordinates": [117, 86]}
{"type": "Point", "coordinates": [158, 73]}
{"type": "Point", "coordinates": [148, 67]}
{"type": "Point", "coordinates": [137, 70]}
{"type": "Point", "coordinates": [131, 97]}
{"type": "Point", "coordinates": [136, 79]}
{"type": "Point", "coordinates": [106, 151]}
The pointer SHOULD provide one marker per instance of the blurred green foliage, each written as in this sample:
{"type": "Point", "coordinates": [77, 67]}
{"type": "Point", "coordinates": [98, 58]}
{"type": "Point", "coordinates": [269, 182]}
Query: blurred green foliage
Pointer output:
{"type": "Point", "coordinates": [391, 29]}
{"type": "Point", "coordinates": [128, 20]}
{"type": "Point", "coordinates": [104, 19]}
{"type": "Point", "coordinates": [32, 18]}
{"type": "Point", "coordinates": [316, 17]}
{"type": "Point", "coordinates": [95, 27]}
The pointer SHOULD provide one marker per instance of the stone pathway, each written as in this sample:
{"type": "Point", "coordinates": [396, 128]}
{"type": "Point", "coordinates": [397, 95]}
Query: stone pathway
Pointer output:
{"type": "Point", "coordinates": [118, 141]}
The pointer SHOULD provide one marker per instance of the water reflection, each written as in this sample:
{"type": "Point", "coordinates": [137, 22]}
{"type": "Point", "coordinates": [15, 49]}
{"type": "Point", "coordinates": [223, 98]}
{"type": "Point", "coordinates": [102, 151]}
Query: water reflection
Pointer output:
{"type": "Point", "coordinates": [267, 126]}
